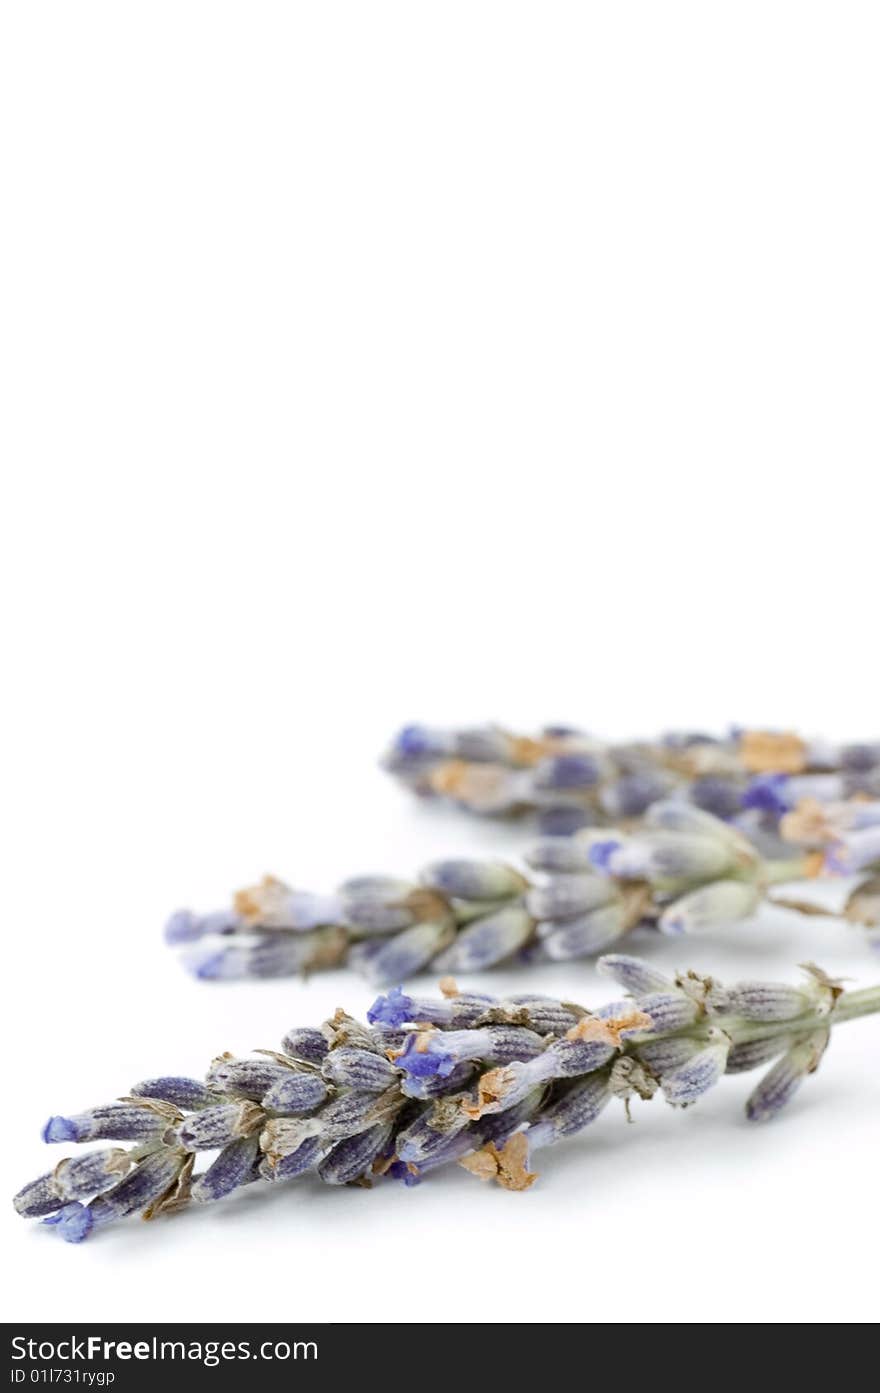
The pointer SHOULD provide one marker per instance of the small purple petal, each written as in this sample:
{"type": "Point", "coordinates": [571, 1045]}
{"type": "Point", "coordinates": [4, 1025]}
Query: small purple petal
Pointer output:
{"type": "Point", "coordinates": [182, 927]}
{"type": "Point", "coordinates": [767, 794]}
{"type": "Point", "coordinates": [60, 1129]}
{"type": "Point", "coordinates": [601, 854]}
{"type": "Point", "coordinates": [392, 1009]}
{"type": "Point", "coordinates": [74, 1222]}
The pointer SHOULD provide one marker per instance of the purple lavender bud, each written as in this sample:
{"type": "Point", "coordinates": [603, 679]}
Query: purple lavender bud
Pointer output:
{"type": "Point", "coordinates": [405, 954]}
{"type": "Point", "coordinates": [560, 854]}
{"type": "Point", "coordinates": [310, 911]}
{"type": "Point", "coordinates": [372, 914]}
{"type": "Point", "coordinates": [779, 1086]}
{"type": "Point", "coordinates": [722, 902]}
{"type": "Point", "coordinates": [307, 1155]}
{"type": "Point", "coordinates": [631, 794]}
{"type": "Point", "coordinates": [352, 1068]}
{"type": "Point", "coordinates": [860, 758]}
{"type": "Point", "coordinates": [666, 1056]}
{"type": "Point", "coordinates": [186, 927]}
{"type": "Point", "coordinates": [669, 1010]}
{"type": "Point", "coordinates": [566, 895]}
{"type": "Point", "coordinates": [420, 1141]}
{"type": "Point", "coordinates": [546, 1016]}
{"type": "Point", "coordinates": [568, 771]}
{"type": "Point", "coordinates": [270, 955]}
{"type": "Point", "coordinates": [487, 941]}
{"type": "Point", "coordinates": [79, 1177]}
{"type": "Point", "coordinates": [185, 1094]}
{"type": "Point", "coordinates": [676, 856]}
{"type": "Point", "coordinates": [74, 1222]}
{"type": "Point", "coordinates": [352, 1157]}
{"type": "Point", "coordinates": [497, 1127]}
{"type": "Point", "coordinates": [364, 951]}
{"type": "Point", "coordinates": [768, 793]}
{"type": "Point", "coordinates": [355, 1111]}
{"type": "Point", "coordinates": [232, 1168]}
{"type": "Point", "coordinates": [691, 1080]}
{"type": "Point", "coordinates": [452, 1149]}
{"type": "Point", "coordinates": [422, 742]}
{"type": "Point", "coordinates": [765, 1001]}
{"type": "Point", "coordinates": [385, 1039]}
{"type": "Point", "coordinates": [579, 1105]}
{"type": "Point", "coordinates": [633, 974]}
{"type": "Point", "coordinates": [112, 1122]}
{"type": "Point", "coordinates": [505, 1043]}
{"type": "Point", "coordinates": [298, 1093]}
{"type": "Point", "coordinates": [564, 822]}
{"type": "Point", "coordinates": [148, 1182]}
{"type": "Point", "coordinates": [473, 880]}
{"type": "Point", "coordinates": [246, 1078]}
{"type": "Point", "coordinates": [38, 1198]}
{"type": "Point", "coordinates": [717, 795]}
{"type": "Point", "coordinates": [217, 1126]}
{"type": "Point", "coordinates": [183, 927]}
{"type": "Point", "coordinates": [569, 1058]}
{"type": "Point", "coordinates": [482, 744]}
{"type": "Point", "coordinates": [752, 1053]}
{"type": "Point", "coordinates": [583, 936]}
{"type": "Point", "coordinates": [307, 1044]}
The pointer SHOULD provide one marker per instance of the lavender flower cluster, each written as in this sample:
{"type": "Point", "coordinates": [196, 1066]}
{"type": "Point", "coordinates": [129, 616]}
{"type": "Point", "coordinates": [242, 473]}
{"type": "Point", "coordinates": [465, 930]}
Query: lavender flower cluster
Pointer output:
{"type": "Point", "coordinates": [466, 1078]}
{"type": "Point", "coordinates": [678, 869]}
{"type": "Point", "coordinates": [758, 780]}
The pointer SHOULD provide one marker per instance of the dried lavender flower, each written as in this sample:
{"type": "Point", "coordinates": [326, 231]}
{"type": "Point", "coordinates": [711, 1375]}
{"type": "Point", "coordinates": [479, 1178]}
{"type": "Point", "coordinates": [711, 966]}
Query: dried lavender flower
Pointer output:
{"type": "Point", "coordinates": [569, 779]}
{"type": "Point", "coordinates": [681, 870]}
{"type": "Point", "coordinates": [778, 1086]}
{"type": "Point", "coordinates": [232, 1168]}
{"type": "Point", "coordinates": [474, 1079]}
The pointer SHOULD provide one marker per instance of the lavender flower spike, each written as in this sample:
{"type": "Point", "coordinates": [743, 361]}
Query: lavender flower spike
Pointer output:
{"type": "Point", "coordinates": [478, 1080]}
{"type": "Point", "coordinates": [682, 870]}
{"type": "Point", "coordinates": [567, 779]}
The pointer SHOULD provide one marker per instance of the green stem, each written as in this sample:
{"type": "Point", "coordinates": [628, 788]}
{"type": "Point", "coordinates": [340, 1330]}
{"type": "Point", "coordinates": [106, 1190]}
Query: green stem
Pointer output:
{"type": "Point", "coordinates": [854, 1004]}
{"type": "Point", "coordinates": [778, 872]}
{"type": "Point", "coordinates": [848, 1007]}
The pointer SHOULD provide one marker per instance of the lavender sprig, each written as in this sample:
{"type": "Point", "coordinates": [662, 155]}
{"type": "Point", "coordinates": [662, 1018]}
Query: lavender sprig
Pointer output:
{"type": "Point", "coordinates": [679, 870]}
{"type": "Point", "coordinates": [479, 1080]}
{"type": "Point", "coordinates": [570, 780]}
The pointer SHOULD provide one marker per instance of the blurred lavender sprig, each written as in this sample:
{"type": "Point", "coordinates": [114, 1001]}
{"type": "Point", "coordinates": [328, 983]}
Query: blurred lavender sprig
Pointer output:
{"type": "Point", "coordinates": [569, 780]}
{"type": "Point", "coordinates": [679, 870]}
{"type": "Point", "coordinates": [428, 1081]}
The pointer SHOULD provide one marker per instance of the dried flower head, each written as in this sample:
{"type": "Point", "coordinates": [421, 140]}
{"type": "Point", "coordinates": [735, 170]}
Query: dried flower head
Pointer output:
{"type": "Point", "coordinates": [474, 1079]}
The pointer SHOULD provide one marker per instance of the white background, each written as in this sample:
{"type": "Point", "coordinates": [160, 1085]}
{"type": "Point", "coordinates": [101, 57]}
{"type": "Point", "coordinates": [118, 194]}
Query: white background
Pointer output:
{"type": "Point", "coordinates": [366, 363]}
